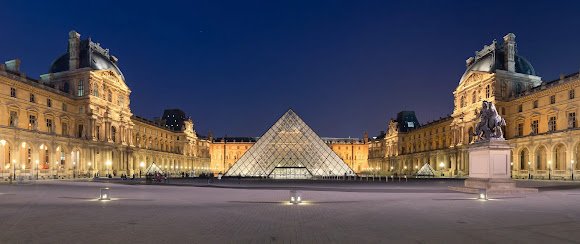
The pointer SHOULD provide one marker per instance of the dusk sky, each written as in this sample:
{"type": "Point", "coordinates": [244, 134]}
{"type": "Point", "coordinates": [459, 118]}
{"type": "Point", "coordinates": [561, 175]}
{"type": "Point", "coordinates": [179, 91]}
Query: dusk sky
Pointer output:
{"type": "Point", "coordinates": [344, 66]}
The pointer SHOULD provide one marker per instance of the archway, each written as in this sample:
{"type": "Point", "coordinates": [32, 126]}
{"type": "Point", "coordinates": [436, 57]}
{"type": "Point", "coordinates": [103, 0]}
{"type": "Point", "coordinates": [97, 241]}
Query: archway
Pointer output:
{"type": "Point", "coordinates": [5, 158]}
{"type": "Point", "coordinates": [524, 157]}
{"type": "Point", "coordinates": [541, 157]}
{"type": "Point", "coordinates": [559, 157]}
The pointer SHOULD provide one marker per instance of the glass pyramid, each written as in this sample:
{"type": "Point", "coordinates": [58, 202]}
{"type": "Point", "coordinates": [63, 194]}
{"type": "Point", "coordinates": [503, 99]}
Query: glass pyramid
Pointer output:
{"type": "Point", "coordinates": [426, 170]}
{"type": "Point", "coordinates": [289, 150]}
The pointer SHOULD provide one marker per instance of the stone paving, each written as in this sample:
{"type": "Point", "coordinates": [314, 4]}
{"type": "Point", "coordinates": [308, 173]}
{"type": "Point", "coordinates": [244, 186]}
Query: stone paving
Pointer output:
{"type": "Point", "coordinates": [68, 212]}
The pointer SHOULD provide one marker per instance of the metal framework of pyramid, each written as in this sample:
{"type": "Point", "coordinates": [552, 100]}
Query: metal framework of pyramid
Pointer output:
{"type": "Point", "coordinates": [152, 169]}
{"type": "Point", "coordinates": [289, 150]}
{"type": "Point", "coordinates": [426, 170]}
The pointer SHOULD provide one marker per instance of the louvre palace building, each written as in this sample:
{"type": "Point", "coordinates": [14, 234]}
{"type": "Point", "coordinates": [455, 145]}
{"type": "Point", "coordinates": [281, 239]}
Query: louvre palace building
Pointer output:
{"type": "Point", "coordinates": [75, 121]}
{"type": "Point", "coordinates": [541, 121]}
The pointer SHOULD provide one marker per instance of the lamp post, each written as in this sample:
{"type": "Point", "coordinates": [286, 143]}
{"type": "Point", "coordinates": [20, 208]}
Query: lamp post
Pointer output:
{"type": "Point", "coordinates": [141, 165]}
{"type": "Point", "coordinates": [572, 168]}
{"type": "Point", "coordinates": [529, 170]}
{"type": "Point", "coordinates": [36, 169]}
{"type": "Point", "coordinates": [442, 167]}
{"type": "Point", "coordinates": [56, 168]}
{"type": "Point", "coordinates": [74, 169]}
{"type": "Point", "coordinates": [90, 170]}
{"type": "Point", "coordinates": [108, 163]}
{"type": "Point", "coordinates": [511, 169]}
{"type": "Point", "coordinates": [3, 143]}
{"type": "Point", "coordinates": [13, 169]}
{"type": "Point", "coordinates": [549, 170]}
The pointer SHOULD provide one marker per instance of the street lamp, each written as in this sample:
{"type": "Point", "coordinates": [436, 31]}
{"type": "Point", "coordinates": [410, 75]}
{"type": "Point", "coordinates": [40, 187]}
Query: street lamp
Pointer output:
{"type": "Point", "coordinates": [549, 170]}
{"type": "Point", "coordinates": [108, 163]}
{"type": "Point", "coordinates": [141, 165]}
{"type": "Point", "coordinates": [56, 168]}
{"type": "Point", "coordinates": [529, 170]}
{"type": "Point", "coordinates": [74, 169]}
{"type": "Point", "coordinates": [572, 168]}
{"type": "Point", "coordinates": [14, 169]}
{"type": "Point", "coordinates": [36, 169]}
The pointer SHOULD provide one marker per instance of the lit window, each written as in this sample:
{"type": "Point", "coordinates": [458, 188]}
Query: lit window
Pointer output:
{"type": "Point", "coordinates": [535, 127]}
{"type": "Point", "coordinates": [81, 89]}
{"type": "Point", "coordinates": [32, 122]}
{"type": "Point", "coordinates": [49, 125]}
{"type": "Point", "coordinates": [13, 118]}
{"type": "Point", "coordinates": [552, 123]}
{"type": "Point", "coordinates": [572, 120]}
{"type": "Point", "coordinates": [487, 91]}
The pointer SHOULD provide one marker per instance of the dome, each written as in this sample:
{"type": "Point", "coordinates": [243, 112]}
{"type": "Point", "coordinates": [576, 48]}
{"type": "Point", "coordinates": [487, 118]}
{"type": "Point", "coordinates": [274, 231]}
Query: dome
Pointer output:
{"type": "Point", "coordinates": [90, 55]}
{"type": "Point", "coordinates": [495, 60]}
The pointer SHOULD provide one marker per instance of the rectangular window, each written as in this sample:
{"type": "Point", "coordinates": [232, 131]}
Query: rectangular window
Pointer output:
{"type": "Point", "coordinates": [80, 131]}
{"type": "Point", "coordinates": [552, 99]}
{"type": "Point", "coordinates": [552, 123]}
{"type": "Point", "coordinates": [49, 102]}
{"type": "Point", "coordinates": [32, 122]}
{"type": "Point", "coordinates": [571, 94]}
{"type": "Point", "coordinates": [520, 108]}
{"type": "Point", "coordinates": [535, 124]}
{"type": "Point", "coordinates": [64, 129]}
{"type": "Point", "coordinates": [81, 89]}
{"type": "Point", "coordinates": [536, 104]}
{"type": "Point", "coordinates": [12, 92]}
{"type": "Point", "coordinates": [49, 125]}
{"type": "Point", "coordinates": [32, 98]}
{"type": "Point", "coordinates": [13, 118]}
{"type": "Point", "coordinates": [520, 129]}
{"type": "Point", "coordinates": [64, 107]}
{"type": "Point", "coordinates": [572, 120]}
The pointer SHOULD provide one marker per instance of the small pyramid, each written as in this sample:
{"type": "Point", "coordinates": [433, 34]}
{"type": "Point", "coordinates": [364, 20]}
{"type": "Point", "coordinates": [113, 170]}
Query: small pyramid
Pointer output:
{"type": "Point", "coordinates": [426, 170]}
{"type": "Point", "coordinates": [289, 150]}
{"type": "Point", "coordinates": [152, 169]}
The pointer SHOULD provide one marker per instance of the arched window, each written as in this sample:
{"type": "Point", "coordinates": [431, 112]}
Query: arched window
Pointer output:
{"type": "Point", "coordinates": [503, 89]}
{"type": "Point", "coordinates": [81, 89]}
{"type": "Point", "coordinates": [96, 90]}
{"type": "Point", "coordinates": [113, 133]}
{"type": "Point", "coordinates": [65, 87]}
{"type": "Point", "coordinates": [524, 158]}
{"type": "Point", "coordinates": [487, 91]}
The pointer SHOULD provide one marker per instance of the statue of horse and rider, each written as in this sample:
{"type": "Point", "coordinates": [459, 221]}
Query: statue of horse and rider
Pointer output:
{"type": "Point", "coordinates": [490, 123]}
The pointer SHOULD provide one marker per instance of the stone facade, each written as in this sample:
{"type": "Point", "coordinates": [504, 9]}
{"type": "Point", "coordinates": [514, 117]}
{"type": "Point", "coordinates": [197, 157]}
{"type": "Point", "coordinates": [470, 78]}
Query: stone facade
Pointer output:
{"type": "Point", "coordinates": [76, 121]}
{"type": "Point", "coordinates": [541, 117]}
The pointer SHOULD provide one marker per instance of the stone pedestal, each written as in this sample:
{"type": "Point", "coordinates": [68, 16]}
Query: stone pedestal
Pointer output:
{"type": "Point", "coordinates": [489, 168]}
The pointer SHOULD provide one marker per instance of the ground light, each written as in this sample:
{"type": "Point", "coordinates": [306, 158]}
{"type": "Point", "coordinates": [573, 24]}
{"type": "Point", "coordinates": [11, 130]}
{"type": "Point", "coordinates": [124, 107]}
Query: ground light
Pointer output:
{"type": "Point", "coordinates": [295, 197]}
{"type": "Point", "coordinates": [105, 194]}
{"type": "Point", "coordinates": [482, 194]}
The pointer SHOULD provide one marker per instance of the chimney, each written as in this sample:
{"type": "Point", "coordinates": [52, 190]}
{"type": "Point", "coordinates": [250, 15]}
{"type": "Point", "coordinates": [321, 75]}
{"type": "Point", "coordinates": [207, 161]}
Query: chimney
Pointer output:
{"type": "Point", "coordinates": [509, 45]}
{"type": "Point", "coordinates": [13, 65]}
{"type": "Point", "coordinates": [73, 49]}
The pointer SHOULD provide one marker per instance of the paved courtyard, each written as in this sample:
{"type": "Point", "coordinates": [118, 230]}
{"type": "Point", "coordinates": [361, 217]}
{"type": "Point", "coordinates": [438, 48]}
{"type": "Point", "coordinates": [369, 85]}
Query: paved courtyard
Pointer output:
{"type": "Point", "coordinates": [417, 212]}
